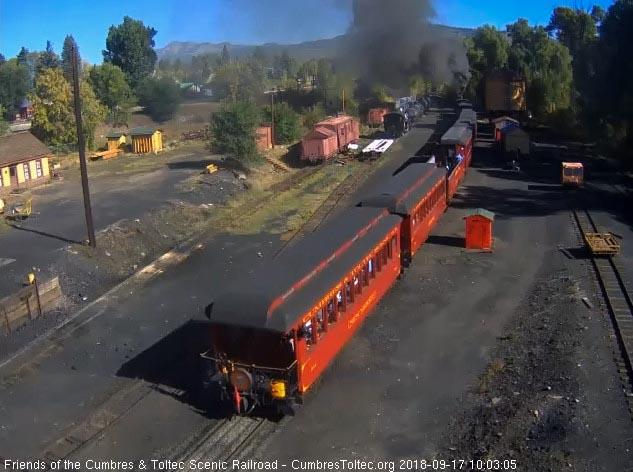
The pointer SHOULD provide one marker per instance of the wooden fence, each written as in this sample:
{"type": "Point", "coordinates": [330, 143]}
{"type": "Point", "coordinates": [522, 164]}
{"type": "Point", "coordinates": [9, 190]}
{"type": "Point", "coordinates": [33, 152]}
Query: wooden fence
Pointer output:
{"type": "Point", "coordinates": [29, 304]}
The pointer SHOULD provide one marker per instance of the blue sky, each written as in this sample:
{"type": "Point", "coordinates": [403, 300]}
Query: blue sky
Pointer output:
{"type": "Point", "coordinates": [31, 22]}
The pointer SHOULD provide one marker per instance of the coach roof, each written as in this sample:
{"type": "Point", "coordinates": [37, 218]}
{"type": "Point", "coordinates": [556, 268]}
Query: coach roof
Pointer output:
{"type": "Point", "coordinates": [459, 134]}
{"type": "Point", "coordinates": [402, 192]}
{"type": "Point", "coordinates": [277, 295]}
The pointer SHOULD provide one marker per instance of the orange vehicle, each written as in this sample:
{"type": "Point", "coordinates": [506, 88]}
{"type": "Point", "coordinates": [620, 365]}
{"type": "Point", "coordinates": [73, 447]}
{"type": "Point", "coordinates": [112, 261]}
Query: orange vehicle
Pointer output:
{"type": "Point", "coordinates": [274, 334]}
{"type": "Point", "coordinates": [573, 174]}
{"type": "Point", "coordinates": [418, 195]}
{"type": "Point", "coordinates": [375, 116]}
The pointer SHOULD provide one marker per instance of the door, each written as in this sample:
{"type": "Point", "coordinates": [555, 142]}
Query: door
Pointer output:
{"type": "Point", "coordinates": [13, 176]}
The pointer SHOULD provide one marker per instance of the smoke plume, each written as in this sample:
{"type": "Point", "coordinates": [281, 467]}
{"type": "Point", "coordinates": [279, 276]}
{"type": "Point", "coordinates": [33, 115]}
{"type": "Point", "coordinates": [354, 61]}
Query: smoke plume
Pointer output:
{"type": "Point", "coordinates": [392, 41]}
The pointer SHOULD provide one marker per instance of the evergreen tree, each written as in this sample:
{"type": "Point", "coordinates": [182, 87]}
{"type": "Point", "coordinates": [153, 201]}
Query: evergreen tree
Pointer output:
{"type": "Point", "coordinates": [67, 58]}
{"type": "Point", "coordinates": [48, 59]}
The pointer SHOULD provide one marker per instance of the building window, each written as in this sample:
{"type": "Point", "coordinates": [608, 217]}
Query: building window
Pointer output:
{"type": "Point", "coordinates": [38, 168]}
{"type": "Point", "coordinates": [27, 173]}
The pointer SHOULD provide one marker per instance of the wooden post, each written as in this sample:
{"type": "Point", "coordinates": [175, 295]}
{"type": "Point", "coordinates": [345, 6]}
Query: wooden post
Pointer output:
{"type": "Point", "coordinates": [37, 295]}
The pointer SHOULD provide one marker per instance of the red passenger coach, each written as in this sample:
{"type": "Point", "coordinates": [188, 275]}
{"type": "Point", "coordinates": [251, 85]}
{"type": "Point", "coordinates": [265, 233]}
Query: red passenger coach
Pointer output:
{"type": "Point", "coordinates": [418, 194]}
{"type": "Point", "coordinates": [275, 332]}
{"type": "Point", "coordinates": [457, 148]}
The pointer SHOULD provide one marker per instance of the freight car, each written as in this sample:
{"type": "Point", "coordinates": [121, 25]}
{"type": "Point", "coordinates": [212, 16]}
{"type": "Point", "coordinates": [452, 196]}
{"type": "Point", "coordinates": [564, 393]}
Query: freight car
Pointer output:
{"type": "Point", "coordinates": [396, 124]}
{"type": "Point", "coordinates": [329, 137]}
{"type": "Point", "coordinates": [276, 331]}
{"type": "Point", "coordinates": [375, 116]}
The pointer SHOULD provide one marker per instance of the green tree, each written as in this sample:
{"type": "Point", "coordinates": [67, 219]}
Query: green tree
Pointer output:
{"type": "Point", "coordinates": [53, 109]}
{"type": "Point", "coordinates": [131, 47]}
{"type": "Point", "coordinates": [487, 51]}
{"type": "Point", "coordinates": [225, 57]}
{"type": "Point", "coordinates": [4, 126]}
{"type": "Point", "coordinates": [15, 85]}
{"type": "Point", "coordinates": [48, 59]}
{"type": "Point", "coordinates": [67, 58]}
{"type": "Point", "coordinates": [238, 81]}
{"type": "Point", "coordinates": [287, 123]}
{"type": "Point", "coordinates": [545, 63]}
{"type": "Point", "coordinates": [233, 130]}
{"type": "Point", "coordinates": [23, 56]}
{"type": "Point", "coordinates": [110, 86]}
{"type": "Point", "coordinates": [160, 97]}
{"type": "Point", "coordinates": [613, 87]}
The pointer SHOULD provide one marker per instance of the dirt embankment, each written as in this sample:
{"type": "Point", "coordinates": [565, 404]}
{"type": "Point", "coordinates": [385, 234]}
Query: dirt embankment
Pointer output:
{"type": "Point", "coordinates": [538, 402]}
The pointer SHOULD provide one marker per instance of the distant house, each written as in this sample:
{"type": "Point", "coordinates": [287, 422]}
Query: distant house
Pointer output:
{"type": "Point", "coordinates": [190, 87]}
{"type": "Point", "coordinates": [23, 162]}
{"type": "Point", "coordinates": [207, 91]}
{"type": "Point", "coordinates": [116, 140]}
{"type": "Point", "coordinates": [25, 110]}
{"type": "Point", "coordinates": [146, 139]}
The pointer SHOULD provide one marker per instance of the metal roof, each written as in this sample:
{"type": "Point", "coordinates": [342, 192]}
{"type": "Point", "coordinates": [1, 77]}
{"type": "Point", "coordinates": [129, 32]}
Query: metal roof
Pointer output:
{"type": "Point", "coordinates": [144, 131]}
{"type": "Point", "coordinates": [481, 212]}
{"type": "Point", "coordinates": [458, 134]}
{"type": "Point", "coordinates": [20, 147]}
{"type": "Point", "coordinates": [287, 287]}
{"type": "Point", "coordinates": [402, 192]}
{"type": "Point", "coordinates": [115, 134]}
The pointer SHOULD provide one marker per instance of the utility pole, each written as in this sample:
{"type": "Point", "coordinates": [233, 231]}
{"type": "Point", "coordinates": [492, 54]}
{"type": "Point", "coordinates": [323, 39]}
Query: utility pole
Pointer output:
{"type": "Point", "coordinates": [343, 101]}
{"type": "Point", "coordinates": [272, 121]}
{"type": "Point", "coordinates": [82, 151]}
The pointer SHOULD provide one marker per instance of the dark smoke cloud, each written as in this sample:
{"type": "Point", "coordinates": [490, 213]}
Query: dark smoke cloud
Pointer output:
{"type": "Point", "coordinates": [391, 41]}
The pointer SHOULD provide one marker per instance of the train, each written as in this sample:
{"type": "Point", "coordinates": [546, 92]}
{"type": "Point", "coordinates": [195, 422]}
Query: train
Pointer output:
{"type": "Point", "coordinates": [329, 137]}
{"type": "Point", "coordinates": [274, 332]}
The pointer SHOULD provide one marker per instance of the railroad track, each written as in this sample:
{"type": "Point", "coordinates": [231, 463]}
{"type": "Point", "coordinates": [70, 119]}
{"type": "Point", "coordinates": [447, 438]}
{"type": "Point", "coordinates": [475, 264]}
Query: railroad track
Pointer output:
{"type": "Point", "coordinates": [326, 208]}
{"type": "Point", "coordinates": [619, 301]}
{"type": "Point", "coordinates": [236, 439]}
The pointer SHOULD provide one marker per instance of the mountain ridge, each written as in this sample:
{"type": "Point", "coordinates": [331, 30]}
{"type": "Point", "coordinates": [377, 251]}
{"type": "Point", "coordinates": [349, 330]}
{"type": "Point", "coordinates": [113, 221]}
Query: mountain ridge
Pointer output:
{"type": "Point", "coordinates": [328, 47]}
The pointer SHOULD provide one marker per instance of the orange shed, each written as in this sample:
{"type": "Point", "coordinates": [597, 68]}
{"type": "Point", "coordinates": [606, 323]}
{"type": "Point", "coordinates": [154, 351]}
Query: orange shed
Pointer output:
{"type": "Point", "coordinates": [479, 229]}
{"type": "Point", "coordinates": [264, 138]}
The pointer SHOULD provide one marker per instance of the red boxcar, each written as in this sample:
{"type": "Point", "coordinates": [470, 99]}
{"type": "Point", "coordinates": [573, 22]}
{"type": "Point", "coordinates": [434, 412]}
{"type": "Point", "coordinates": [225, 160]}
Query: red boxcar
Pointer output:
{"type": "Point", "coordinates": [375, 116]}
{"type": "Point", "coordinates": [345, 128]}
{"type": "Point", "coordinates": [418, 194]}
{"type": "Point", "coordinates": [319, 144]}
{"type": "Point", "coordinates": [277, 330]}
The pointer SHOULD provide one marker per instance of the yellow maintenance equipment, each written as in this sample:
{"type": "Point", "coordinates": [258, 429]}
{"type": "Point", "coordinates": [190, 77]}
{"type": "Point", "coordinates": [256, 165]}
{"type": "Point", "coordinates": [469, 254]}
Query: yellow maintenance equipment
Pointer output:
{"type": "Point", "coordinates": [278, 389]}
{"type": "Point", "coordinates": [22, 211]}
{"type": "Point", "coordinates": [211, 169]}
{"type": "Point", "coordinates": [602, 243]}
{"type": "Point", "coordinates": [31, 279]}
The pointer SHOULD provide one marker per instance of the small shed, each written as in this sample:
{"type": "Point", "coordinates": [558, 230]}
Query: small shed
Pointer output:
{"type": "Point", "coordinates": [264, 138]}
{"type": "Point", "coordinates": [516, 141]}
{"type": "Point", "coordinates": [147, 139]}
{"type": "Point", "coordinates": [116, 140]}
{"type": "Point", "coordinates": [479, 229]}
{"type": "Point", "coordinates": [503, 123]}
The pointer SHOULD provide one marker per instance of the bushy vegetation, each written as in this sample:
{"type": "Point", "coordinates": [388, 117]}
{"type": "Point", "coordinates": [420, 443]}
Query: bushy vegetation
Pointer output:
{"type": "Point", "coordinates": [287, 123]}
{"type": "Point", "coordinates": [233, 130]}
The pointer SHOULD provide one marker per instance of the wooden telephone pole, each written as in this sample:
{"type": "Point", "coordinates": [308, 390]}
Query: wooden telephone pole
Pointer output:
{"type": "Point", "coordinates": [81, 144]}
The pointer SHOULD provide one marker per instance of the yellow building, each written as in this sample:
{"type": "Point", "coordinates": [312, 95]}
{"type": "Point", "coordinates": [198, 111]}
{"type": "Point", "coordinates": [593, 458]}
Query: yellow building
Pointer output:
{"type": "Point", "coordinates": [146, 139]}
{"type": "Point", "coordinates": [23, 162]}
{"type": "Point", "coordinates": [116, 140]}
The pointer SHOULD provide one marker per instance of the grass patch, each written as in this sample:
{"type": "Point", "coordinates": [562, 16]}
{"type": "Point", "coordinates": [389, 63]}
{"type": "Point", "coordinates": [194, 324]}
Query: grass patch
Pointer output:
{"type": "Point", "coordinates": [493, 369]}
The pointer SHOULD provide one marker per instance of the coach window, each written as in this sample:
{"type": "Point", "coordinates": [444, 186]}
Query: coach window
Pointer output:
{"type": "Point", "coordinates": [349, 293]}
{"type": "Point", "coordinates": [332, 309]}
{"type": "Point", "coordinates": [359, 282]}
{"type": "Point", "coordinates": [365, 276]}
{"type": "Point", "coordinates": [321, 320]}
{"type": "Point", "coordinates": [342, 301]}
{"type": "Point", "coordinates": [307, 332]}
{"type": "Point", "coordinates": [370, 268]}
